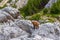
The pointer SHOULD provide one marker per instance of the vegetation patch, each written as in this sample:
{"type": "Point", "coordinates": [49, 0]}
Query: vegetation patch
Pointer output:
{"type": "Point", "coordinates": [1, 0]}
{"type": "Point", "coordinates": [33, 6]}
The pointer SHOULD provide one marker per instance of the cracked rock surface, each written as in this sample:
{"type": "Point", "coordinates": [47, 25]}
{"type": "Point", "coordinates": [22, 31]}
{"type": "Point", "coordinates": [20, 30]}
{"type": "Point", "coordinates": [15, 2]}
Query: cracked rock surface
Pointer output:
{"type": "Point", "coordinates": [46, 31]}
{"type": "Point", "coordinates": [21, 29]}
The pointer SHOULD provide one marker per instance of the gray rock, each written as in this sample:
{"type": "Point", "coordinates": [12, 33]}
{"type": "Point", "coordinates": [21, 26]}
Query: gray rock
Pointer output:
{"type": "Point", "coordinates": [16, 30]}
{"type": "Point", "coordinates": [21, 3]}
{"type": "Point", "coordinates": [3, 37]}
{"type": "Point", "coordinates": [12, 11]}
{"type": "Point", "coordinates": [13, 32]}
{"type": "Point", "coordinates": [4, 17]}
{"type": "Point", "coordinates": [50, 3]}
{"type": "Point", "coordinates": [25, 25]}
{"type": "Point", "coordinates": [37, 37]}
{"type": "Point", "coordinates": [49, 30]}
{"type": "Point", "coordinates": [15, 39]}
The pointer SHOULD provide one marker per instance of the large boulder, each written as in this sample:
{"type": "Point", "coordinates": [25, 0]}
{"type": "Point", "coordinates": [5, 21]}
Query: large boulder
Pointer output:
{"type": "Point", "coordinates": [16, 31]}
{"type": "Point", "coordinates": [25, 25]}
{"type": "Point", "coordinates": [13, 32]}
{"type": "Point", "coordinates": [4, 17]}
{"type": "Point", "coordinates": [12, 11]}
{"type": "Point", "coordinates": [49, 30]}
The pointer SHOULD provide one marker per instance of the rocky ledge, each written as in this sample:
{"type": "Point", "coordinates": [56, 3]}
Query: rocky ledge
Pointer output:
{"type": "Point", "coordinates": [15, 28]}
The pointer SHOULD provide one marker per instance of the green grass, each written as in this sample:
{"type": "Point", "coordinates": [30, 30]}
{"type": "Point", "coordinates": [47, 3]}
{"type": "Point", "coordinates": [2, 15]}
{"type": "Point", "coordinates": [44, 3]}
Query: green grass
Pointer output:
{"type": "Point", "coordinates": [1, 0]}
{"type": "Point", "coordinates": [9, 1]}
{"type": "Point", "coordinates": [52, 13]}
{"type": "Point", "coordinates": [55, 9]}
{"type": "Point", "coordinates": [14, 6]}
{"type": "Point", "coordinates": [3, 6]}
{"type": "Point", "coordinates": [32, 7]}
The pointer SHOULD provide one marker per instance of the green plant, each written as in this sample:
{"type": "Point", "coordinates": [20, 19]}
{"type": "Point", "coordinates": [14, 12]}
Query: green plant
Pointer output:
{"type": "Point", "coordinates": [55, 9]}
{"type": "Point", "coordinates": [33, 6]}
{"type": "Point", "coordinates": [9, 1]}
{"type": "Point", "coordinates": [3, 6]}
{"type": "Point", "coordinates": [0, 0]}
{"type": "Point", "coordinates": [14, 6]}
{"type": "Point", "coordinates": [35, 17]}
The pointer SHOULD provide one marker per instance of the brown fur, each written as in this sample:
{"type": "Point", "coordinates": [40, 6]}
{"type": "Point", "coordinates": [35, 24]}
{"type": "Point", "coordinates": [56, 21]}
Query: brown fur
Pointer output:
{"type": "Point", "coordinates": [36, 24]}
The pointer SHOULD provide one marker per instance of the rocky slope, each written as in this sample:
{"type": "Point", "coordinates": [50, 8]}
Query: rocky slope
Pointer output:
{"type": "Point", "coordinates": [20, 29]}
{"type": "Point", "coordinates": [47, 31]}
